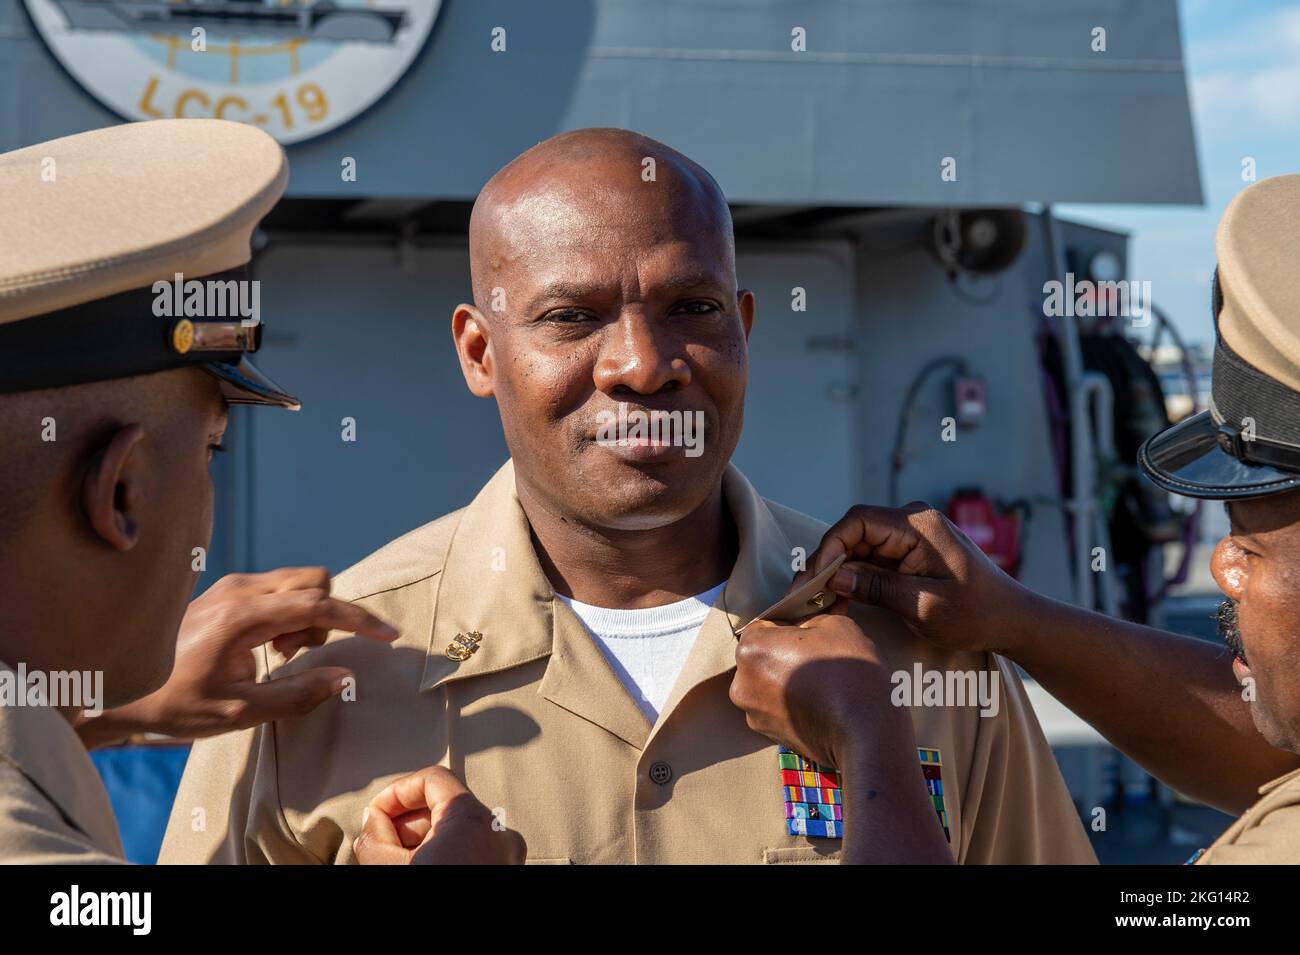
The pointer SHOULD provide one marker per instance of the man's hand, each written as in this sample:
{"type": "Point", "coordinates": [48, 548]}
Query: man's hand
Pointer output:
{"type": "Point", "coordinates": [813, 686]}
{"type": "Point", "coordinates": [430, 818]}
{"type": "Point", "coordinates": [214, 688]}
{"type": "Point", "coordinates": [915, 562]}
{"type": "Point", "coordinates": [822, 689]}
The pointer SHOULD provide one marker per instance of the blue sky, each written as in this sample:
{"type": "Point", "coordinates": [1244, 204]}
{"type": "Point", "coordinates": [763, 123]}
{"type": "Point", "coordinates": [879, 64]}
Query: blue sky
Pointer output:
{"type": "Point", "coordinates": [1243, 72]}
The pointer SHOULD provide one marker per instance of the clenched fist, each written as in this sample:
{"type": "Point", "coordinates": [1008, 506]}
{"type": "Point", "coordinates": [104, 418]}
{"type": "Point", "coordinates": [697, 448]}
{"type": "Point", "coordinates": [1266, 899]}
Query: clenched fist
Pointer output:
{"type": "Point", "coordinates": [813, 686]}
{"type": "Point", "coordinates": [430, 818]}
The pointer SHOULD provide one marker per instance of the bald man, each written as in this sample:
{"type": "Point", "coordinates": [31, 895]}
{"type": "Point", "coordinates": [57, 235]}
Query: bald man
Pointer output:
{"type": "Point", "coordinates": [568, 639]}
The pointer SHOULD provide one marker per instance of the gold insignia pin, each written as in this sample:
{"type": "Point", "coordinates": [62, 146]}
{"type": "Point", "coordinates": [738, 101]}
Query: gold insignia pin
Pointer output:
{"type": "Point", "coordinates": [183, 336]}
{"type": "Point", "coordinates": [810, 597]}
{"type": "Point", "coordinates": [463, 646]}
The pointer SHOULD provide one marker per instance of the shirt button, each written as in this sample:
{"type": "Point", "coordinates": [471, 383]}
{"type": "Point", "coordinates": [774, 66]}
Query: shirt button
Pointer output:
{"type": "Point", "coordinates": [660, 772]}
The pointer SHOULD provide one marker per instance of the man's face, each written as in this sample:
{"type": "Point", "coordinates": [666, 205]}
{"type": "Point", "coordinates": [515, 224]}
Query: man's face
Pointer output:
{"type": "Point", "coordinates": [622, 293]}
{"type": "Point", "coordinates": [1258, 568]}
{"type": "Point", "coordinates": [175, 511]}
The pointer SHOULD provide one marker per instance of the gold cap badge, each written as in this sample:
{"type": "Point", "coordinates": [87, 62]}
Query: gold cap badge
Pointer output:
{"type": "Point", "coordinates": [183, 336]}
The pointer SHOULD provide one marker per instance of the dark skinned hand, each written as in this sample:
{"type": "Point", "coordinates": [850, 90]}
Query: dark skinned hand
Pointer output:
{"type": "Point", "coordinates": [812, 685]}
{"type": "Point", "coordinates": [822, 688]}
{"type": "Point", "coordinates": [429, 818]}
{"type": "Point", "coordinates": [915, 562]}
{"type": "Point", "coordinates": [214, 687]}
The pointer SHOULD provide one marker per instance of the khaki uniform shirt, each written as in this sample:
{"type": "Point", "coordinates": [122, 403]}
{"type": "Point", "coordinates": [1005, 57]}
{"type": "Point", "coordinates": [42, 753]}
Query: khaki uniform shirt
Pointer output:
{"type": "Point", "coordinates": [539, 727]}
{"type": "Point", "coordinates": [1268, 833]}
{"type": "Point", "coordinates": [53, 807]}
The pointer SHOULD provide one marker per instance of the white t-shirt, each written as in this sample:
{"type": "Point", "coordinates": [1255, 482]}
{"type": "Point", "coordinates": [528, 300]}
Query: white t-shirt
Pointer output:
{"type": "Point", "coordinates": [647, 648]}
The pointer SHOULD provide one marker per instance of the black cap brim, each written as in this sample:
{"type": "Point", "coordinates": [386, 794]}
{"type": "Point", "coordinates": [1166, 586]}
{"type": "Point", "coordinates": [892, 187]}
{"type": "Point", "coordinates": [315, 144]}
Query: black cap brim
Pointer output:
{"type": "Point", "coordinates": [243, 384]}
{"type": "Point", "coordinates": [1187, 459]}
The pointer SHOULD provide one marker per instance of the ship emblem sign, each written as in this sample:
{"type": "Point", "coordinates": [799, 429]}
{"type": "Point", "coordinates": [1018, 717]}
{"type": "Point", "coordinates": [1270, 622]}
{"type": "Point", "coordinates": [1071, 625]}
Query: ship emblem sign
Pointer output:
{"type": "Point", "coordinates": [296, 68]}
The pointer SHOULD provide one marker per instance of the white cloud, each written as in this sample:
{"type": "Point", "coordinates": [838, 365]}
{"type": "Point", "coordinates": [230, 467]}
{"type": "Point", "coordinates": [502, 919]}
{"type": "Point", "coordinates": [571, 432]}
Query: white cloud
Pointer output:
{"type": "Point", "coordinates": [1233, 104]}
{"type": "Point", "coordinates": [1272, 37]}
{"type": "Point", "coordinates": [1245, 82]}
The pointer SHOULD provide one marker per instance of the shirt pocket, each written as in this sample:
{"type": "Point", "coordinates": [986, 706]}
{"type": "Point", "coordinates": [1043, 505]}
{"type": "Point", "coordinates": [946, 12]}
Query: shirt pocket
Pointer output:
{"type": "Point", "coordinates": [802, 855]}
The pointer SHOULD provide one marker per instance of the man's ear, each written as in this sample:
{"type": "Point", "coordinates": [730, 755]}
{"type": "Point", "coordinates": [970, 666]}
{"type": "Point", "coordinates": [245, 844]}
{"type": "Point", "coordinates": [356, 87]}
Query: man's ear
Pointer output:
{"type": "Point", "coordinates": [745, 302]}
{"type": "Point", "coordinates": [469, 329]}
{"type": "Point", "coordinates": [110, 492]}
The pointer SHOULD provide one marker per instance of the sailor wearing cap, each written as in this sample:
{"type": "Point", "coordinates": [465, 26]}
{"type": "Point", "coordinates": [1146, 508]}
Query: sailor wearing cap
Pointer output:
{"type": "Point", "coordinates": [110, 410]}
{"type": "Point", "coordinates": [106, 233]}
{"type": "Point", "coordinates": [1172, 703]}
{"type": "Point", "coordinates": [126, 315]}
{"type": "Point", "coordinates": [1247, 445]}
{"type": "Point", "coordinates": [1245, 450]}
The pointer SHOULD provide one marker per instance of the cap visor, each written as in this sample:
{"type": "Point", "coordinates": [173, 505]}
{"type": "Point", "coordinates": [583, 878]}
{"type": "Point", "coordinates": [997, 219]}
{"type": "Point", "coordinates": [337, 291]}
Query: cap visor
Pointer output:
{"type": "Point", "coordinates": [243, 384]}
{"type": "Point", "coordinates": [1186, 459]}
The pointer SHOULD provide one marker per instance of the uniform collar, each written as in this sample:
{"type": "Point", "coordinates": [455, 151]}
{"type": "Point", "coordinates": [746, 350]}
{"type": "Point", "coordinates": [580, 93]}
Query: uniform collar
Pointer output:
{"type": "Point", "coordinates": [492, 583]}
{"type": "Point", "coordinates": [45, 748]}
{"type": "Point", "coordinates": [1274, 784]}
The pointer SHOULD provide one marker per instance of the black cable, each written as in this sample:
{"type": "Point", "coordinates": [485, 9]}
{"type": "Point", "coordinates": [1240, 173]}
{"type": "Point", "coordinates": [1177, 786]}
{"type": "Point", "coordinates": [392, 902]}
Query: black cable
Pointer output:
{"type": "Point", "coordinates": [1192, 527]}
{"type": "Point", "coordinates": [900, 433]}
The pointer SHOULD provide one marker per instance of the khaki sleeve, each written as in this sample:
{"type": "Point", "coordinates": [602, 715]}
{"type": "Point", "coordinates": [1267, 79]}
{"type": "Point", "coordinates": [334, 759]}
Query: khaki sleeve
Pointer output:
{"type": "Point", "coordinates": [34, 832]}
{"type": "Point", "coordinates": [1016, 808]}
{"type": "Point", "coordinates": [1274, 841]}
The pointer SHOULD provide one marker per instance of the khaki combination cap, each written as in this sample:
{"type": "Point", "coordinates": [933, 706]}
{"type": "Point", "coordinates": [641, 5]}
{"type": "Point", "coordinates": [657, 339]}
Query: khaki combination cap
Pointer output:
{"type": "Point", "coordinates": [1248, 443]}
{"type": "Point", "coordinates": [124, 251]}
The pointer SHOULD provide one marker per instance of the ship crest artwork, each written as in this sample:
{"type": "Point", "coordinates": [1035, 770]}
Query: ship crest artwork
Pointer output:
{"type": "Point", "coordinates": [296, 68]}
